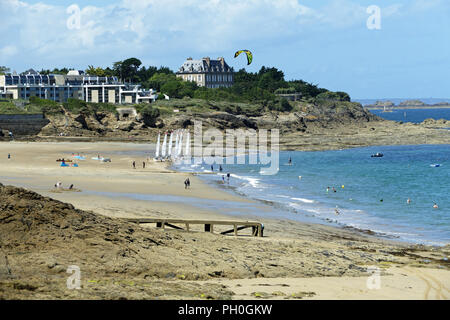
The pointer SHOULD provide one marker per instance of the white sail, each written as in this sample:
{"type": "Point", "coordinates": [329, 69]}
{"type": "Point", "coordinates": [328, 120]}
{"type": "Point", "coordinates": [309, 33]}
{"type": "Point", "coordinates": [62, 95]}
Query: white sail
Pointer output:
{"type": "Point", "coordinates": [158, 146]}
{"type": "Point", "coordinates": [164, 146]}
{"type": "Point", "coordinates": [169, 153]}
{"type": "Point", "coordinates": [177, 141]}
{"type": "Point", "coordinates": [188, 145]}
{"type": "Point", "coordinates": [180, 145]}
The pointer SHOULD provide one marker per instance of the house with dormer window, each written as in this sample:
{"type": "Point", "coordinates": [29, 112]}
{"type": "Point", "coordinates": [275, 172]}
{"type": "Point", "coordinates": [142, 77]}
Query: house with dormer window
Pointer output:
{"type": "Point", "coordinates": [207, 73]}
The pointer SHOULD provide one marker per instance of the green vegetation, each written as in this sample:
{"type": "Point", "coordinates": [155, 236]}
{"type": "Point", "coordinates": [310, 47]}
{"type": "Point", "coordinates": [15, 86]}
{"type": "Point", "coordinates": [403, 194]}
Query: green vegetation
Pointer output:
{"type": "Point", "coordinates": [3, 70]}
{"type": "Point", "coordinates": [261, 87]}
{"type": "Point", "coordinates": [251, 93]}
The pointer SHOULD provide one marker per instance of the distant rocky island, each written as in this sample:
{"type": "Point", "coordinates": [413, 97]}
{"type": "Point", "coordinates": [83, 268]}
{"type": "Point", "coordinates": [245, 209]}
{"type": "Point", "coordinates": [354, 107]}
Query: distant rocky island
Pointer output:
{"type": "Point", "coordinates": [411, 104]}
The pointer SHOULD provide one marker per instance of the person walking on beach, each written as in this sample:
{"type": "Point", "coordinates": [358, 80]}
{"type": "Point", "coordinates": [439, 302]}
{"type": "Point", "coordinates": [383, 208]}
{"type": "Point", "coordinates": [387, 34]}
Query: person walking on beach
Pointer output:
{"type": "Point", "coordinates": [143, 165]}
{"type": "Point", "coordinates": [134, 164]}
{"type": "Point", "coordinates": [9, 156]}
{"type": "Point", "coordinates": [187, 183]}
{"type": "Point", "coordinates": [223, 179]}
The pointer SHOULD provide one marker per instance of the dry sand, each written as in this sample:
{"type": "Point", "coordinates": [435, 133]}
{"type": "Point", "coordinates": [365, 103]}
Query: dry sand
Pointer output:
{"type": "Point", "coordinates": [294, 260]}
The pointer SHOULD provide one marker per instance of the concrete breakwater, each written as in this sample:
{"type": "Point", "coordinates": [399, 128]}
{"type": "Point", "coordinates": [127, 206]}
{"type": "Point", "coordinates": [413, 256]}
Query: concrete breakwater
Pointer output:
{"type": "Point", "coordinates": [23, 124]}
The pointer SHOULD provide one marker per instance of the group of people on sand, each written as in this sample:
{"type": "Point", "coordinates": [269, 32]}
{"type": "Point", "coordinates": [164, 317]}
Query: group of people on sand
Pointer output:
{"type": "Point", "coordinates": [59, 186]}
{"type": "Point", "coordinates": [134, 164]}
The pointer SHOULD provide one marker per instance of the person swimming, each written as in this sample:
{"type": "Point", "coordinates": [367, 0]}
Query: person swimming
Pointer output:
{"type": "Point", "coordinates": [435, 206]}
{"type": "Point", "coordinates": [290, 161]}
{"type": "Point", "coordinates": [336, 211]}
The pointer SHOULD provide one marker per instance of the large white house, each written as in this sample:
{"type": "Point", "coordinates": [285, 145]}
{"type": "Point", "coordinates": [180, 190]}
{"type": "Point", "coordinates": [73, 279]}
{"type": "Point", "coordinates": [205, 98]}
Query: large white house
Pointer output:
{"type": "Point", "coordinates": [207, 73]}
{"type": "Point", "coordinates": [75, 85]}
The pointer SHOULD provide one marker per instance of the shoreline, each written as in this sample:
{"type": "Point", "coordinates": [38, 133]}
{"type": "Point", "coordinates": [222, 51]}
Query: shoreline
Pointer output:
{"type": "Point", "coordinates": [291, 252]}
{"type": "Point", "coordinates": [202, 201]}
{"type": "Point", "coordinates": [409, 107]}
{"type": "Point", "coordinates": [304, 217]}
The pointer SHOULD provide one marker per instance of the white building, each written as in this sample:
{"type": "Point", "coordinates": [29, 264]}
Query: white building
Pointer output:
{"type": "Point", "coordinates": [75, 85]}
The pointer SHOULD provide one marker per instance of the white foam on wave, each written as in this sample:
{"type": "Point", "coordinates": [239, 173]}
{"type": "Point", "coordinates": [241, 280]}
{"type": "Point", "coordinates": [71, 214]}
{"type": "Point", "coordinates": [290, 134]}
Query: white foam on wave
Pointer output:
{"type": "Point", "coordinates": [303, 200]}
{"type": "Point", "coordinates": [254, 182]}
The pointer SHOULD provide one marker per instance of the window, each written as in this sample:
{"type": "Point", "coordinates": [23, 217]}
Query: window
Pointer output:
{"type": "Point", "coordinates": [199, 77]}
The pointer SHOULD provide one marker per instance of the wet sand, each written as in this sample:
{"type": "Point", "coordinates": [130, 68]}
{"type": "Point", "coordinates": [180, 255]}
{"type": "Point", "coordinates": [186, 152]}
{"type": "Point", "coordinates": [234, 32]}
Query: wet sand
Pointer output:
{"type": "Point", "coordinates": [303, 256]}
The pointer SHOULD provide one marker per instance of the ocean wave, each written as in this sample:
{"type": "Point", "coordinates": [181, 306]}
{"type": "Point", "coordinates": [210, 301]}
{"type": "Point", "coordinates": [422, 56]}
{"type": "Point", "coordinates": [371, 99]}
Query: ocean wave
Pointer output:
{"type": "Point", "coordinates": [304, 200]}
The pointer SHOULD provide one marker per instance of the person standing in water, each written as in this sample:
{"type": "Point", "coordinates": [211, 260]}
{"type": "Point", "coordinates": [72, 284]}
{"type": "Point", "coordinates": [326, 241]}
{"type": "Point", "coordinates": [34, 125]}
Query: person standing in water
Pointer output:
{"type": "Point", "coordinates": [228, 177]}
{"type": "Point", "coordinates": [290, 161]}
{"type": "Point", "coordinates": [408, 201]}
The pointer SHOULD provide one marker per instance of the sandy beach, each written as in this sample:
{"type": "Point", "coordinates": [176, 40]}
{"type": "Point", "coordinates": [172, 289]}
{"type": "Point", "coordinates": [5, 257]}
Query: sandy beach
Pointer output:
{"type": "Point", "coordinates": [292, 261]}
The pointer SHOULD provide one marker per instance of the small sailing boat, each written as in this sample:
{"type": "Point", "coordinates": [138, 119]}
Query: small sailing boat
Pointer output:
{"type": "Point", "coordinates": [164, 147]}
{"type": "Point", "coordinates": [158, 146]}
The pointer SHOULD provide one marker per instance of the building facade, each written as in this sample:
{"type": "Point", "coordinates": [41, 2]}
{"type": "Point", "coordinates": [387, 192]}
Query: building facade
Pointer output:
{"type": "Point", "coordinates": [74, 85]}
{"type": "Point", "coordinates": [207, 73]}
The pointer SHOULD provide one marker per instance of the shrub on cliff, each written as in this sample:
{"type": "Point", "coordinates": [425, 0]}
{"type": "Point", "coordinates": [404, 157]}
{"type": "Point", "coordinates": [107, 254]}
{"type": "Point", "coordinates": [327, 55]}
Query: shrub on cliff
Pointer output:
{"type": "Point", "coordinates": [149, 115]}
{"type": "Point", "coordinates": [334, 96]}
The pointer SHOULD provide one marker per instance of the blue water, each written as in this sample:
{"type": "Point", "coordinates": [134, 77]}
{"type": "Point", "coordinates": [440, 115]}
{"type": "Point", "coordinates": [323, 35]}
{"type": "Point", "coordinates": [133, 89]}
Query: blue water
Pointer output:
{"type": "Point", "coordinates": [397, 101]}
{"type": "Point", "coordinates": [361, 182]}
{"type": "Point", "coordinates": [414, 115]}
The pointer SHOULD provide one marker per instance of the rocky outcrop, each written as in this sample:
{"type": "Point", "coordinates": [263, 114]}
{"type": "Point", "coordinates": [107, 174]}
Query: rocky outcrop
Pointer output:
{"type": "Point", "coordinates": [301, 119]}
{"type": "Point", "coordinates": [381, 104]}
{"type": "Point", "coordinates": [412, 103]}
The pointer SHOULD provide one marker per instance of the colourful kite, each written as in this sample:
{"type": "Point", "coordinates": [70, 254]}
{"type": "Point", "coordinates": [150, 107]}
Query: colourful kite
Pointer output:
{"type": "Point", "coordinates": [248, 53]}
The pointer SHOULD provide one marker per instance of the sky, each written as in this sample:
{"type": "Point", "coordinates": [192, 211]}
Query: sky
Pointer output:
{"type": "Point", "coordinates": [326, 42]}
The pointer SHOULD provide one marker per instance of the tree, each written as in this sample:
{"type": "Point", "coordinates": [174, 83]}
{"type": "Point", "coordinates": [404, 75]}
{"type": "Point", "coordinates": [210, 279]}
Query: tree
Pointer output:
{"type": "Point", "coordinates": [4, 70]}
{"type": "Point", "coordinates": [130, 68]}
{"type": "Point", "coordinates": [158, 80]}
{"type": "Point", "coordinates": [99, 72]}
{"type": "Point", "coordinates": [149, 115]}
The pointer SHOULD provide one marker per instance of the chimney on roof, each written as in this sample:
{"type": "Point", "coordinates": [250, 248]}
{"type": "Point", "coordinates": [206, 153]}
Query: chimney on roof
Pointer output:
{"type": "Point", "coordinates": [190, 58]}
{"type": "Point", "coordinates": [222, 61]}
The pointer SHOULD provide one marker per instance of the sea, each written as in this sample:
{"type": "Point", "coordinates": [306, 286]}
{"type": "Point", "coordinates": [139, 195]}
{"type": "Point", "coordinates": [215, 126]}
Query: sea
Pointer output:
{"type": "Point", "coordinates": [368, 193]}
{"type": "Point", "coordinates": [411, 115]}
{"type": "Point", "coordinates": [414, 115]}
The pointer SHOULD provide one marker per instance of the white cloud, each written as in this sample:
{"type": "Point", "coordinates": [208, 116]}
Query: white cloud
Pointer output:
{"type": "Point", "coordinates": [156, 27]}
{"type": "Point", "coordinates": [7, 51]}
